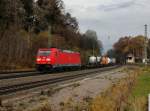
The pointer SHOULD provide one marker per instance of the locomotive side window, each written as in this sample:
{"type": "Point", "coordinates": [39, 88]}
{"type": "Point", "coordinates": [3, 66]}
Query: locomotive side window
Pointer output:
{"type": "Point", "coordinates": [44, 53]}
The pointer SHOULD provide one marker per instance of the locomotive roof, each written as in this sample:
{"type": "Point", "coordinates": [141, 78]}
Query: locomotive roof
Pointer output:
{"type": "Point", "coordinates": [67, 51]}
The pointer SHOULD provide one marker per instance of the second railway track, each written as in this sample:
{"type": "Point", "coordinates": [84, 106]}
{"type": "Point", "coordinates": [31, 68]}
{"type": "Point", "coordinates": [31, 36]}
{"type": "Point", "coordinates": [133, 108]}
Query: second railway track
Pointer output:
{"type": "Point", "coordinates": [6, 90]}
{"type": "Point", "coordinates": [21, 74]}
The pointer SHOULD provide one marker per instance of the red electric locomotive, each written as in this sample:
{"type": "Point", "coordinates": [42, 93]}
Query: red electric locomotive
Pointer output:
{"type": "Point", "coordinates": [52, 58]}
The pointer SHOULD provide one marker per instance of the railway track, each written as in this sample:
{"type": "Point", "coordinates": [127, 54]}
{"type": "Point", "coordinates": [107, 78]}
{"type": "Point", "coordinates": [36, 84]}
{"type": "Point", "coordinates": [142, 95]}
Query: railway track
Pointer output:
{"type": "Point", "coordinates": [21, 74]}
{"type": "Point", "coordinates": [6, 90]}
{"type": "Point", "coordinates": [9, 72]}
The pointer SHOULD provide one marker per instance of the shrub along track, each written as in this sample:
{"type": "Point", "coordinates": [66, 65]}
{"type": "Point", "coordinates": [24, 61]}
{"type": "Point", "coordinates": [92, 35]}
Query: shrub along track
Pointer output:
{"type": "Point", "coordinates": [9, 89]}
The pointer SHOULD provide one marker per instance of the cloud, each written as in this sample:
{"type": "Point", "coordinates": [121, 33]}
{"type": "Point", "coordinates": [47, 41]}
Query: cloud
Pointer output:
{"type": "Point", "coordinates": [117, 6]}
{"type": "Point", "coordinates": [114, 18]}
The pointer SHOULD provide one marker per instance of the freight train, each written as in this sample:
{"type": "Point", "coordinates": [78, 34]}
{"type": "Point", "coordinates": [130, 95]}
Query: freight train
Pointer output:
{"type": "Point", "coordinates": [53, 58]}
{"type": "Point", "coordinates": [101, 61]}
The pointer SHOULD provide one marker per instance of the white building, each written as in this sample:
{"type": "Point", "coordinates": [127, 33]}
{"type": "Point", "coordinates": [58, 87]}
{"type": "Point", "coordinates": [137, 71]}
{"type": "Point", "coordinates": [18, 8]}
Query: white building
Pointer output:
{"type": "Point", "coordinates": [130, 59]}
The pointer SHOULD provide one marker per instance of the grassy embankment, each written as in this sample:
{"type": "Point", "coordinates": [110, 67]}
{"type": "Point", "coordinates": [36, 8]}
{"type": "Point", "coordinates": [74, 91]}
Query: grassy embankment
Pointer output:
{"type": "Point", "coordinates": [130, 94]}
{"type": "Point", "coordinates": [115, 98]}
{"type": "Point", "coordinates": [138, 101]}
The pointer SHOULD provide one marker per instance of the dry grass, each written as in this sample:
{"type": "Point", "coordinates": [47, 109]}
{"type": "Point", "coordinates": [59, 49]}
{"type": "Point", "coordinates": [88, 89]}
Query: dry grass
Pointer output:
{"type": "Point", "coordinates": [74, 106]}
{"type": "Point", "coordinates": [116, 97]}
{"type": "Point", "coordinates": [42, 107]}
{"type": "Point", "coordinates": [138, 101]}
{"type": "Point", "coordinates": [137, 104]}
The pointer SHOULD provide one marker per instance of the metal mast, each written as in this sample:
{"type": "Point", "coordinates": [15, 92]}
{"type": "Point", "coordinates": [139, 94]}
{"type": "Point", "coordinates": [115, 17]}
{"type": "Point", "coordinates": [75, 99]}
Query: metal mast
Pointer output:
{"type": "Point", "coordinates": [145, 45]}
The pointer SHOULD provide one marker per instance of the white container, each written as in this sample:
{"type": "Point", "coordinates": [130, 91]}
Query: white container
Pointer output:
{"type": "Point", "coordinates": [92, 60]}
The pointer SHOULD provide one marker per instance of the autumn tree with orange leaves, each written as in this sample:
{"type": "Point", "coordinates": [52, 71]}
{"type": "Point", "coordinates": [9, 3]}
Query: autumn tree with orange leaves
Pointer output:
{"type": "Point", "coordinates": [130, 45]}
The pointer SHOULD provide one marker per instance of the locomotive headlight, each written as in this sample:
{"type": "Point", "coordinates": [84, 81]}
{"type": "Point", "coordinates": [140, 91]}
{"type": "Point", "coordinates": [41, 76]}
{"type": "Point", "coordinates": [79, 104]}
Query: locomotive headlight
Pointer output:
{"type": "Point", "coordinates": [38, 59]}
{"type": "Point", "coordinates": [48, 59]}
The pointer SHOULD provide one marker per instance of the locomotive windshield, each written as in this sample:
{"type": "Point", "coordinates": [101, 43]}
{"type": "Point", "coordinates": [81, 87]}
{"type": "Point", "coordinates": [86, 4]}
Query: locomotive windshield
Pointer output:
{"type": "Point", "coordinates": [44, 53]}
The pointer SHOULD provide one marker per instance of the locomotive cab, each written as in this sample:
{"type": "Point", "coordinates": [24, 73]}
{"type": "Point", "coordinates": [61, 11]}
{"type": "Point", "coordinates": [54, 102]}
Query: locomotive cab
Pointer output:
{"type": "Point", "coordinates": [43, 56]}
{"type": "Point", "coordinates": [45, 59]}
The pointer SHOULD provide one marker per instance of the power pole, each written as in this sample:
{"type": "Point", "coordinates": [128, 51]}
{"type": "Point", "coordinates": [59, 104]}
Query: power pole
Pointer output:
{"type": "Point", "coordinates": [145, 45]}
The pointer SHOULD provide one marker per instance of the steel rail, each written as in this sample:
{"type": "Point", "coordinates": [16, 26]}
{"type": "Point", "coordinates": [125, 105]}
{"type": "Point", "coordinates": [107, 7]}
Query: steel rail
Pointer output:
{"type": "Point", "coordinates": [22, 74]}
{"type": "Point", "coordinates": [25, 86]}
{"type": "Point", "coordinates": [9, 72]}
{"type": "Point", "coordinates": [19, 75]}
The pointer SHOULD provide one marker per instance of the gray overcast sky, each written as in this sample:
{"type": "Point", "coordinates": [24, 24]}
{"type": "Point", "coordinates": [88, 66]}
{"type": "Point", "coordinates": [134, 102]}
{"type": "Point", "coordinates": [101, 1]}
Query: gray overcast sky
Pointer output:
{"type": "Point", "coordinates": [114, 18]}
